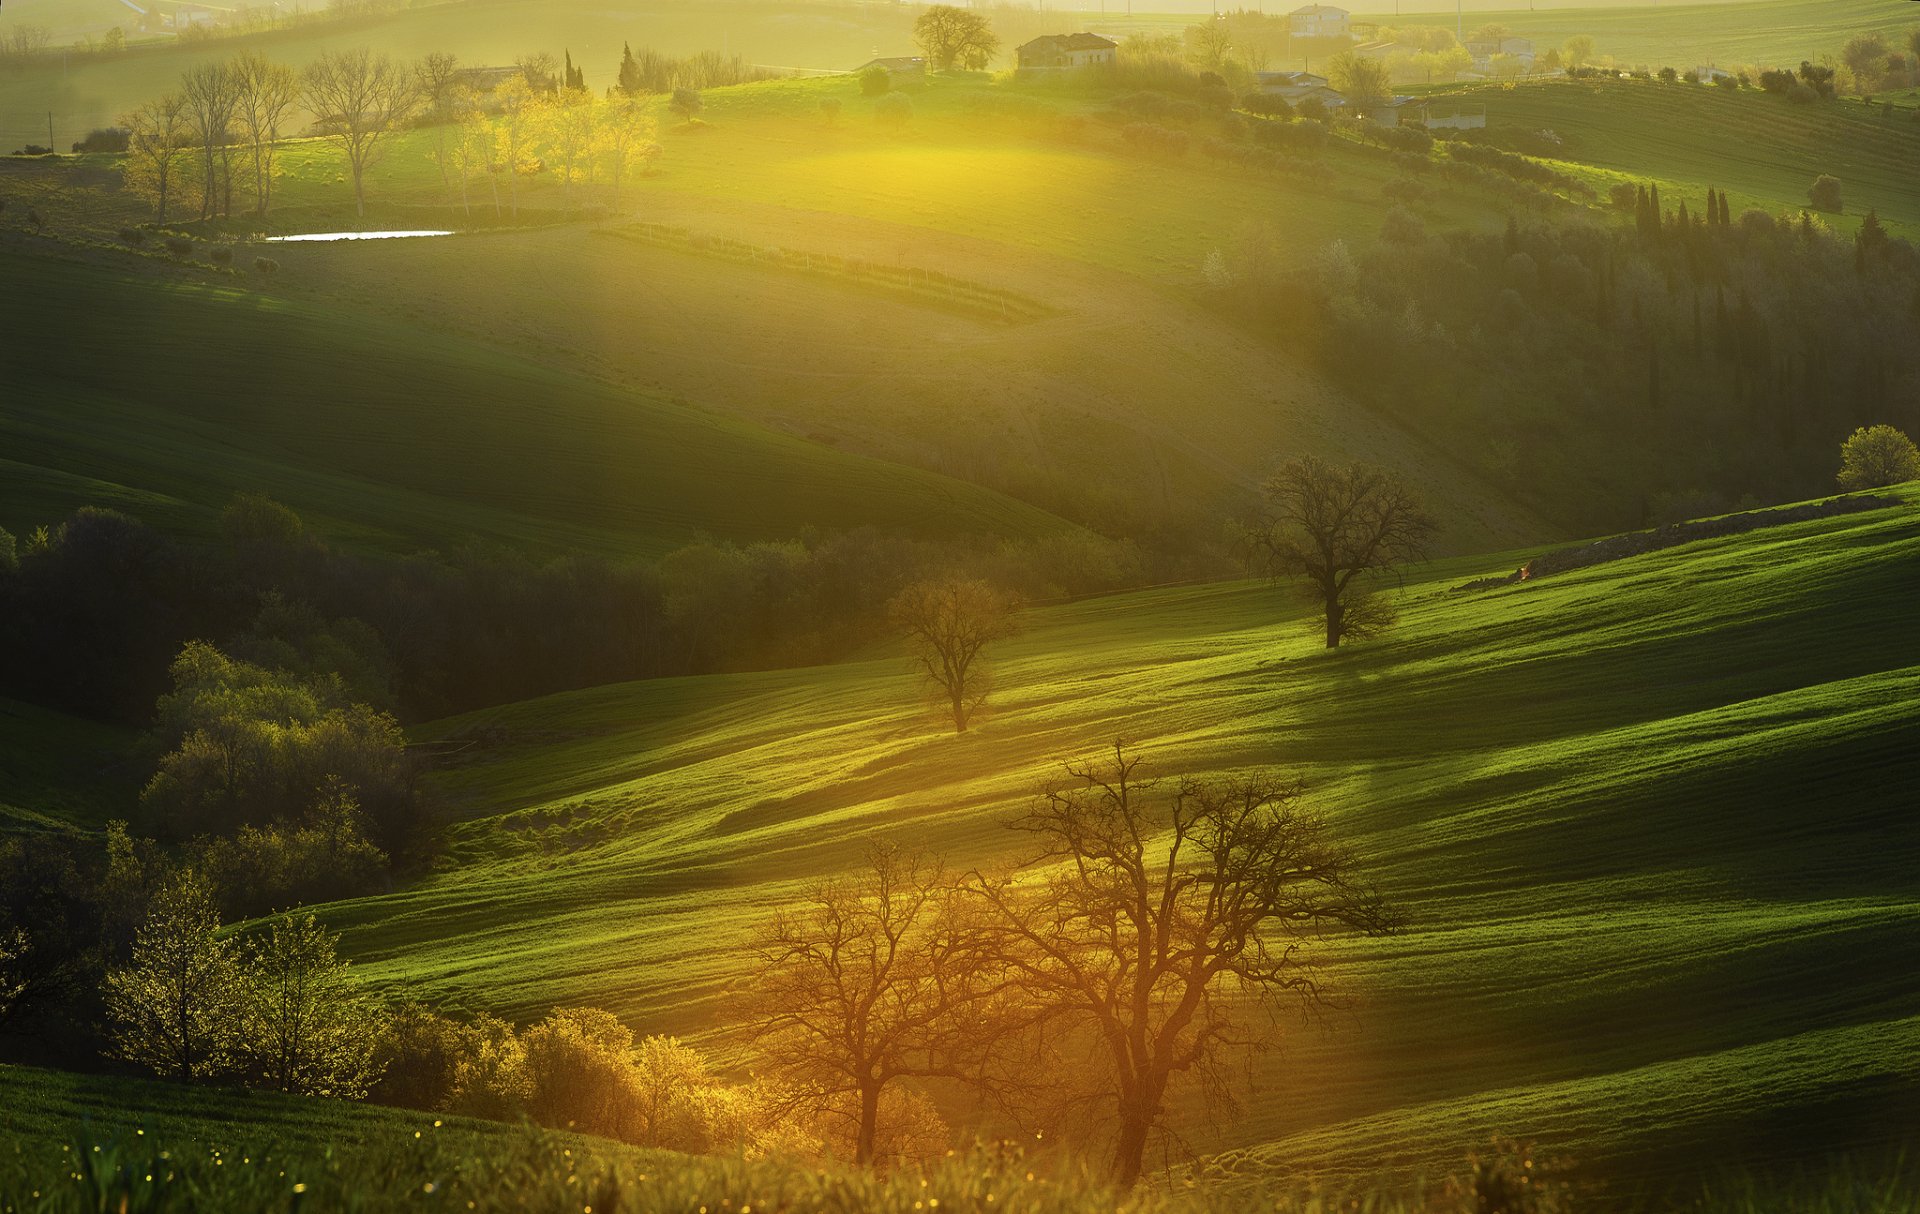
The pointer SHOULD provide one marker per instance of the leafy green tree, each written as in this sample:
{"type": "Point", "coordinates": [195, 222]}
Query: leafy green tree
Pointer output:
{"type": "Point", "coordinates": [1363, 80]}
{"type": "Point", "coordinates": [1874, 457]}
{"type": "Point", "coordinates": [306, 1025]}
{"type": "Point", "coordinates": [1577, 51]}
{"type": "Point", "coordinates": [875, 81]}
{"type": "Point", "coordinates": [175, 1007]}
{"type": "Point", "coordinates": [953, 37]}
{"type": "Point", "coordinates": [687, 103]}
{"type": "Point", "coordinates": [1825, 194]}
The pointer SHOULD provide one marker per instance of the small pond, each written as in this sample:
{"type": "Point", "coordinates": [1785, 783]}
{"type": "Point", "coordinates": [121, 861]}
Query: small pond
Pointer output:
{"type": "Point", "coordinates": [353, 236]}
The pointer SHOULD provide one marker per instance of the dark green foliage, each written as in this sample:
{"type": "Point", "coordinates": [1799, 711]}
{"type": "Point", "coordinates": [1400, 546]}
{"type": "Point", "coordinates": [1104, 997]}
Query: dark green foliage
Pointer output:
{"type": "Point", "coordinates": [1825, 194]}
{"type": "Point", "coordinates": [1791, 351]}
{"type": "Point", "coordinates": [875, 81]}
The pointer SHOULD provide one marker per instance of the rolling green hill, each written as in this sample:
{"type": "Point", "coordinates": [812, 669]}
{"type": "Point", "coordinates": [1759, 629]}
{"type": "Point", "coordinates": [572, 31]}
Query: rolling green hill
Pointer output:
{"type": "Point", "coordinates": [1764, 150]}
{"type": "Point", "coordinates": [166, 397]}
{"type": "Point", "coordinates": [1651, 821]}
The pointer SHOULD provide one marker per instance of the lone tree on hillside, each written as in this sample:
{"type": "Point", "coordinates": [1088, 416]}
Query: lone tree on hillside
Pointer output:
{"type": "Point", "coordinates": [948, 623]}
{"type": "Point", "coordinates": [952, 37]}
{"type": "Point", "coordinates": [174, 1008]}
{"type": "Point", "coordinates": [1824, 194]}
{"type": "Point", "coordinates": [359, 98]}
{"type": "Point", "coordinates": [687, 103]}
{"type": "Point", "coordinates": [1364, 81]}
{"type": "Point", "coordinates": [852, 992]}
{"type": "Point", "coordinates": [1153, 918]}
{"type": "Point", "coordinates": [1333, 527]}
{"type": "Point", "coordinates": [1874, 457]}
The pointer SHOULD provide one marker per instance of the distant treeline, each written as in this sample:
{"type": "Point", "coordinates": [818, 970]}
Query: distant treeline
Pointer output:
{"type": "Point", "coordinates": [1614, 374]}
{"type": "Point", "coordinates": [98, 607]}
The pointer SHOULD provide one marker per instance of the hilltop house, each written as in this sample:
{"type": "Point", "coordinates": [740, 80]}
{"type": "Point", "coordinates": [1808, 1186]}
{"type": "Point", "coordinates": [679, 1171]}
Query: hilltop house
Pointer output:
{"type": "Point", "coordinates": [1318, 21]}
{"type": "Point", "coordinates": [1486, 50]}
{"type": "Point", "coordinates": [1273, 82]}
{"type": "Point", "coordinates": [912, 66]}
{"type": "Point", "coordinates": [1065, 52]}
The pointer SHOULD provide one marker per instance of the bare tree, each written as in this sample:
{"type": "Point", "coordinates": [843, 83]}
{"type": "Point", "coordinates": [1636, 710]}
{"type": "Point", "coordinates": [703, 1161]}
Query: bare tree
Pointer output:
{"type": "Point", "coordinates": [267, 92]}
{"type": "Point", "coordinates": [359, 98]}
{"type": "Point", "coordinates": [948, 623]}
{"type": "Point", "coordinates": [157, 135]}
{"type": "Point", "coordinates": [853, 992]}
{"type": "Point", "coordinates": [212, 95]}
{"type": "Point", "coordinates": [1332, 527]}
{"type": "Point", "coordinates": [446, 98]}
{"type": "Point", "coordinates": [1138, 928]}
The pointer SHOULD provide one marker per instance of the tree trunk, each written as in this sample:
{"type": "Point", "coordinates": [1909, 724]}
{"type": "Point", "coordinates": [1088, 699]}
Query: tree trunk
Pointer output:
{"type": "Point", "coordinates": [959, 710]}
{"type": "Point", "coordinates": [1334, 613]}
{"type": "Point", "coordinates": [1130, 1150]}
{"type": "Point", "coordinates": [869, 1125]}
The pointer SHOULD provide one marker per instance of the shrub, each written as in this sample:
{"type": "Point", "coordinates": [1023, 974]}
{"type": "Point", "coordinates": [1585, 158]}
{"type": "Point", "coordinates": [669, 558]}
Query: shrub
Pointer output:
{"type": "Point", "coordinates": [687, 103]}
{"type": "Point", "coordinates": [1402, 226]}
{"type": "Point", "coordinates": [104, 139]}
{"type": "Point", "coordinates": [1775, 80]}
{"type": "Point", "coordinates": [1801, 93]}
{"type": "Point", "coordinates": [1874, 457]}
{"type": "Point", "coordinates": [180, 247]}
{"type": "Point", "coordinates": [1824, 194]}
{"type": "Point", "coordinates": [220, 255]}
{"type": "Point", "coordinates": [1267, 105]}
{"type": "Point", "coordinates": [1624, 196]}
{"type": "Point", "coordinates": [1668, 75]}
{"type": "Point", "coordinates": [894, 110]}
{"type": "Point", "coordinates": [875, 81]}
{"type": "Point", "coordinates": [132, 236]}
{"type": "Point", "coordinates": [266, 266]}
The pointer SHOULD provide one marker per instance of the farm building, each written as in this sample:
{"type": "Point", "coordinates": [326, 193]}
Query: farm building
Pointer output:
{"type": "Point", "coordinates": [1710, 74]}
{"type": "Point", "coordinates": [1398, 111]}
{"type": "Point", "coordinates": [1466, 118]}
{"type": "Point", "coordinates": [899, 65]}
{"type": "Point", "coordinates": [1273, 82]}
{"type": "Point", "coordinates": [1486, 50]}
{"type": "Point", "coordinates": [1381, 49]}
{"type": "Point", "coordinates": [1318, 21]}
{"type": "Point", "coordinates": [1065, 52]}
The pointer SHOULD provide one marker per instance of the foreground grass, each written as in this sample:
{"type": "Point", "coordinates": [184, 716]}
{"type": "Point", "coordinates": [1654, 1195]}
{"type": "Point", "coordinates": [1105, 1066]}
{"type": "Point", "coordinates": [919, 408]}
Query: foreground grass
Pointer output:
{"type": "Point", "coordinates": [85, 1144]}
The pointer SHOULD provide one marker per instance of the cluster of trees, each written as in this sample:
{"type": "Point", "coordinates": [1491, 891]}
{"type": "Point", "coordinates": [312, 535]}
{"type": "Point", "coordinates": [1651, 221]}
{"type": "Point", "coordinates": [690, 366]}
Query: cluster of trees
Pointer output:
{"type": "Point", "coordinates": [100, 607]}
{"type": "Point", "coordinates": [1137, 945]}
{"type": "Point", "coordinates": [1611, 375]}
{"type": "Point", "coordinates": [1129, 951]}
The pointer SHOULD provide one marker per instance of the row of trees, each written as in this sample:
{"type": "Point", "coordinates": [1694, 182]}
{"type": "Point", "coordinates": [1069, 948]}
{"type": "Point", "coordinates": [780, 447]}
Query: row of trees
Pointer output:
{"type": "Point", "coordinates": [1547, 355]}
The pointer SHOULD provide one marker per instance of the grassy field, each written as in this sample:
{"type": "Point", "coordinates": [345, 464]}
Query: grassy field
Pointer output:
{"type": "Point", "coordinates": [57, 771]}
{"type": "Point", "coordinates": [1763, 150]}
{"type": "Point", "coordinates": [1621, 806]}
{"type": "Point", "coordinates": [396, 436]}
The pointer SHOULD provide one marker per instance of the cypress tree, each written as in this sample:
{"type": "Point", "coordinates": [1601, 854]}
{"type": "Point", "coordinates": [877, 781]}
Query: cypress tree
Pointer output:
{"type": "Point", "coordinates": [1653, 200]}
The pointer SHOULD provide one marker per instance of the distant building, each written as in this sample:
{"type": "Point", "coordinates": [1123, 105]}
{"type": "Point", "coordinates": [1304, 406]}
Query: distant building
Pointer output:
{"type": "Point", "coordinates": [191, 16]}
{"type": "Point", "coordinates": [1065, 52]}
{"type": "Point", "coordinates": [1380, 49]}
{"type": "Point", "coordinates": [1318, 21]}
{"type": "Point", "coordinates": [1463, 118]}
{"type": "Point", "coordinates": [1397, 111]}
{"type": "Point", "coordinates": [899, 65]}
{"type": "Point", "coordinates": [1711, 74]}
{"type": "Point", "coordinates": [1273, 82]}
{"type": "Point", "coordinates": [1486, 50]}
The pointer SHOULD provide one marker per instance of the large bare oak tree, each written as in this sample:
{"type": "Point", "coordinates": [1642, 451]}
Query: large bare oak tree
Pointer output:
{"type": "Point", "coordinates": [1142, 916]}
{"type": "Point", "coordinates": [359, 98]}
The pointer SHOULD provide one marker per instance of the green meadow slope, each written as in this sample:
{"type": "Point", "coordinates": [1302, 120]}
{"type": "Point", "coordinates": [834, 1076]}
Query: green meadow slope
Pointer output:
{"type": "Point", "coordinates": [1652, 823]}
{"type": "Point", "coordinates": [166, 397]}
{"type": "Point", "coordinates": [1763, 150]}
